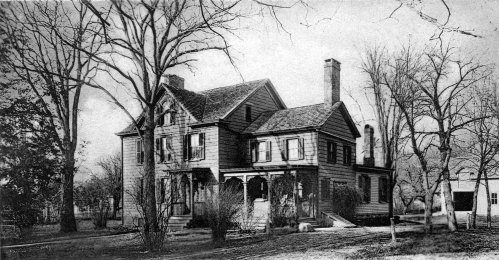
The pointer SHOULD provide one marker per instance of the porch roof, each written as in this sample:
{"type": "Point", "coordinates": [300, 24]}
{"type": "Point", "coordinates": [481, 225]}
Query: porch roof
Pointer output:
{"type": "Point", "coordinates": [270, 168]}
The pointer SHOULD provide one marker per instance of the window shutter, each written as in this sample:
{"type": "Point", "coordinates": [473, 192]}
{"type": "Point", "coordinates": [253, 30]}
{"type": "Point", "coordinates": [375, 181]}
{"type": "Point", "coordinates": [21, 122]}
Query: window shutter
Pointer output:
{"type": "Point", "coordinates": [329, 151]}
{"type": "Point", "coordinates": [185, 153]}
{"type": "Point", "coordinates": [368, 189]}
{"type": "Point", "coordinates": [301, 151]}
{"type": "Point", "coordinates": [253, 147]}
{"type": "Point", "coordinates": [137, 151]}
{"type": "Point", "coordinates": [335, 152]}
{"type": "Point", "coordinates": [284, 150]}
{"type": "Point", "coordinates": [172, 118]}
{"type": "Point", "coordinates": [268, 152]}
{"type": "Point", "coordinates": [360, 183]}
{"type": "Point", "coordinates": [380, 189]}
{"type": "Point", "coordinates": [201, 144]}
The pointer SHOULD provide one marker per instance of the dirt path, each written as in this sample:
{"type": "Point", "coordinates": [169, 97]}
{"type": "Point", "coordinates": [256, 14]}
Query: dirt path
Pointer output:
{"type": "Point", "coordinates": [297, 242]}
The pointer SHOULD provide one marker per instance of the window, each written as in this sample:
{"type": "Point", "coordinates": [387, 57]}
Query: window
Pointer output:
{"type": "Point", "coordinates": [325, 189]}
{"type": "Point", "coordinates": [160, 116]}
{"type": "Point", "coordinates": [139, 148]}
{"type": "Point", "coordinates": [331, 152]}
{"type": "Point", "coordinates": [365, 187]}
{"type": "Point", "coordinates": [166, 117]}
{"type": "Point", "coordinates": [293, 149]}
{"type": "Point", "coordinates": [493, 198]}
{"type": "Point", "coordinates": [347, 154]}
{"type": "Point", "coordinates": [248, 113]}
{"type": "Point", "coordinates": [383, 190]}
{"type": "Point", "coordinates": [164, 149]}
{"type": "Point", "coordinates": [261, 151]}
{"type": "Point", "coordinates": [194, 146]}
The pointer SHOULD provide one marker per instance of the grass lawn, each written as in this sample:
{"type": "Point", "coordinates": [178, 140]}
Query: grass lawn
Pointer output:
{"type": "Point", "coordinates": [46, 233]}
{"type": "Point", "coordinates": [336, 243]}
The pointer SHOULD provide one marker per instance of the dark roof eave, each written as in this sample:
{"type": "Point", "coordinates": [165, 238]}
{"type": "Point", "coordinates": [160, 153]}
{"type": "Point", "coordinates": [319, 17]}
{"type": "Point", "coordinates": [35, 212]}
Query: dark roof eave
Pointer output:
{"type": "Point", "coordinates": [269, 168]}
{"type": "Point", "coordinates": [208, 123]}
{"type": "Point", "coordinates": [372, 169]}
{"type": "Point", "coordinates": [300, 129]}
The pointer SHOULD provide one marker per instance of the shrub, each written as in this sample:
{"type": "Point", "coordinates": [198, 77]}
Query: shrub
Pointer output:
{"type": "Point", "coordinates": [283, 209]}
{"type": "Point", "coordinates": [344, 201]}
{"type": "Point", "coordinates": [222, 210]}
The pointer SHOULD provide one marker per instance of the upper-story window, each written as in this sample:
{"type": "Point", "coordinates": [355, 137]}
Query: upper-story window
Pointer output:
{"type": "Point", "coordinates": [493, 198]}
{"type": "Point", "coordinates": [164, 149]}
{"type": "Point", "coordinates": [331, 152]}
{"type": "Point", "coordinates": [365, 187]}
{"type": "Point", "coordinates": [261, 151]}
{"type": "Point", "coordinates": [347, 154]}
{"type": "Point", "coordinates": [293, 149]}
{"type": "Point", "coordinates": [159, 115]}
{"type": "Point", "coordinates": [194, 146]}
{"type": "Point", "coordinates": [166, 113]}
{"type": "Point", "coordinates": [139, 151]}
{"type": "Point", "coordinates": [383, 189]}
{"type": "Point", "coordinates": [248, 113]}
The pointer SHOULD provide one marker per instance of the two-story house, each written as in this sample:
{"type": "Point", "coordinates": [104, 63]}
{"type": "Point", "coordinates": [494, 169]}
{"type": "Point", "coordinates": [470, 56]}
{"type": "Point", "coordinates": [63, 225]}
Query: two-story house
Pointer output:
{"type": "Point", "coordinates": [244, 134]}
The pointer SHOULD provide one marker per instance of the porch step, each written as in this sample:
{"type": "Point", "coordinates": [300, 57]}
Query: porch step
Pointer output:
{"type": "Point", "coordinates": [177, 223]}
{"type": "Point", "coordinates": [338, 221]}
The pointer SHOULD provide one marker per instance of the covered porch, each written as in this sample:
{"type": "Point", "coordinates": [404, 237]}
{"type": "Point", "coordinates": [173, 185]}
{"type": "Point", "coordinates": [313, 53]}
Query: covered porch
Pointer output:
{"type": "Point", "coordinates": [276, 193]}
{"type": "Point", "coordinates": [184, 192]}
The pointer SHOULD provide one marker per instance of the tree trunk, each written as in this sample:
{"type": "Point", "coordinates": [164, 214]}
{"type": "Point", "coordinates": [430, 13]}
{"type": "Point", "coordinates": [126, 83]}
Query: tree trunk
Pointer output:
{"type": "Point", "coordinates": [475, 199]}
{"type": "Point", "coordinates": [449, 204]}
{"type": "Point", "coordinates": [150, 216]}
{"type": "Point", "coordinates": [428, 205]}
{"type": "Point", "coordinates": [116, 204]}
{"type": "Point", "coordinates": [68, 221]}
{"type": "Point", "coordinates": [489, 219]}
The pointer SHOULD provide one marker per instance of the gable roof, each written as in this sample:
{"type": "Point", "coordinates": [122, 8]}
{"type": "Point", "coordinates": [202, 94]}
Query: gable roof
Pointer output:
{"type": "Point", "coordinates": [214, 104]}
{"type": "Point", "coordinates": [313, 116]}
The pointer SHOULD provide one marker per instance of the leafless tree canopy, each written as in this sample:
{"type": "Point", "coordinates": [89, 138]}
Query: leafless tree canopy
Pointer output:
{"type": "Point", "coordinates": [42, 36]}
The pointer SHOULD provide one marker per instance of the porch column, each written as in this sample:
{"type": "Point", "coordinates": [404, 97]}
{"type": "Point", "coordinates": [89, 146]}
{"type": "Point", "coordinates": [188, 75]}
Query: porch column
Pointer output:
{"type": "Point", "coordinates": [269, 188]}
{"type": "Point", "coordinates": [245, 190]}
{"type": "Point", "coordinates": [191, 195]}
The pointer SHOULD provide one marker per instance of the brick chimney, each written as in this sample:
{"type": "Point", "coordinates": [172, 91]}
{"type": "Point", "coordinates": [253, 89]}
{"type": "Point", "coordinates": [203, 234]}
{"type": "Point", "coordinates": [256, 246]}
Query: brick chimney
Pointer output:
{"type": "Point", "coordinates": [369, 146]}
{"type": "Point", "coordinates": [173, 81]}
{"type": "Point", "coordinates": [331, 81]}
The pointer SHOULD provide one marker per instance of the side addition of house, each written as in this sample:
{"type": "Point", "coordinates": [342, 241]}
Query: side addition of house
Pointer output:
{"type": "Point", "coordinates": [246, 136]}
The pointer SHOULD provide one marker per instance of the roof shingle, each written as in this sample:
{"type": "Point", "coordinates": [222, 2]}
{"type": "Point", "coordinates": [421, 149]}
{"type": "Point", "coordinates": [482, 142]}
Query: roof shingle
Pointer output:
{"type": "Point", "coordinates": [292, 118]}
{"type": "Point", "coordinates": [209, 105]}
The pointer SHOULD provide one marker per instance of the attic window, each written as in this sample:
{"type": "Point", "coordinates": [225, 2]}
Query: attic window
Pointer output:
{"type": "Point", "coordinates": [248, 113]}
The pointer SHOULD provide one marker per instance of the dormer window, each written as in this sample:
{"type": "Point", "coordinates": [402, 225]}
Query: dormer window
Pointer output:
{"type": "Point", "coordinates": [248, 113]}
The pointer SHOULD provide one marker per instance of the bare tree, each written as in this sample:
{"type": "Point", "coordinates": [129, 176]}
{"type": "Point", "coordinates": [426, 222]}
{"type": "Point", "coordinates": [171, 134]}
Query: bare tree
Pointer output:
{"type": "Point", "coordinates": [111, 166]}
{"type": "Point", "coordinates": [480, 147]}
{"type": "Point", "coordinates": [146, 39]}
{"type": "Point", "coordinates": [433, 101]}
{"type": "Point", "coordinates": [409, 185]}
{"type": "Point", "coordinates": [54, 71]}
{"type": "Point", "coordinates": [443, 25]}
{"type": "Point", "coordinates": [389, 119]}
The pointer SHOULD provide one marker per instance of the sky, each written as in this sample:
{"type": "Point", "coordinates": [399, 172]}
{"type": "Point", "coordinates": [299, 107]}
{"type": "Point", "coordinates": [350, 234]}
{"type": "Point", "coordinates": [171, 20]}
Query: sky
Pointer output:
{"type": "Point", "coordinates": [293, 59]}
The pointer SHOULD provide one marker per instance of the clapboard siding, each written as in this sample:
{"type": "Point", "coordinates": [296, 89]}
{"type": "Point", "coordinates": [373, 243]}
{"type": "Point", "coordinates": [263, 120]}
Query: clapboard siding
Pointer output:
{"type": "Point", "coordinates": [309, 146]}
{"type": "Point", "coordinates": [260, 101]}
{"type": "Point", "coordinates": [232, 149]}
{"type": "Point", "coordinates": [337, 125]}
{"type": "Point", "coordinates": [132, 171]}
{"type": "Point", "coordinates": [374, 207]}
{"type": "Point", "coordinates": [335, 172]}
